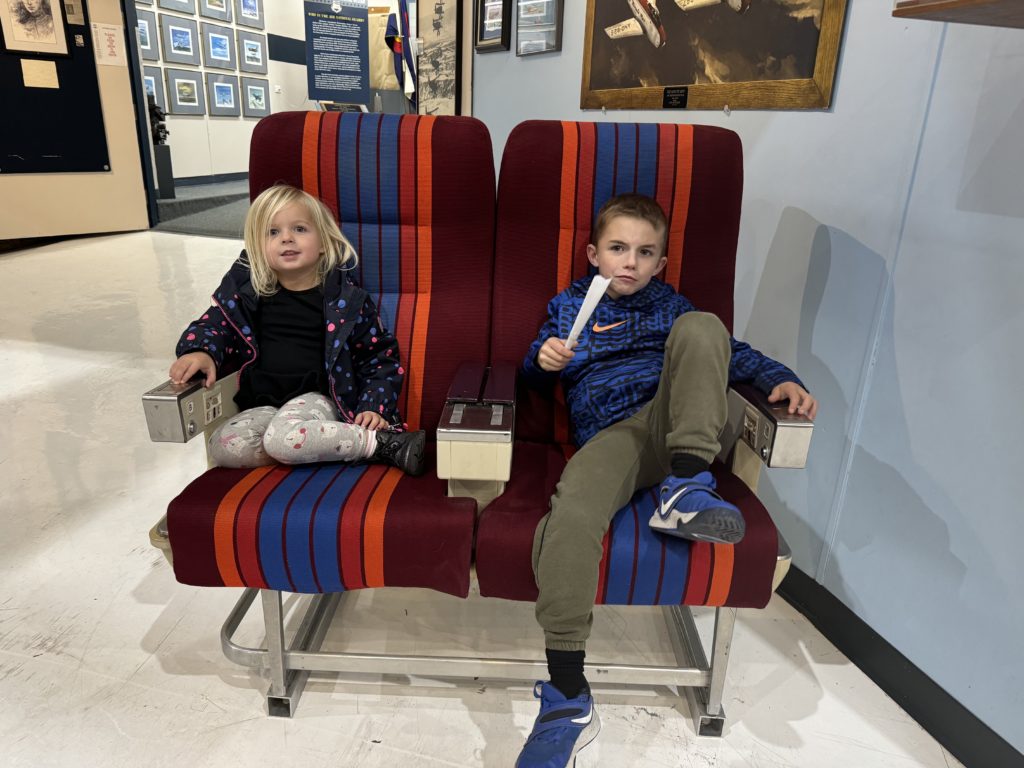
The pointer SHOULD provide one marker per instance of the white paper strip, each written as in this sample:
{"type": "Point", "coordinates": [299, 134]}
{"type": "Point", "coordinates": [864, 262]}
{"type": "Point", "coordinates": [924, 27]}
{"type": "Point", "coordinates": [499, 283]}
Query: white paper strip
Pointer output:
{"type": "Point", "coordinates": [594, 294]}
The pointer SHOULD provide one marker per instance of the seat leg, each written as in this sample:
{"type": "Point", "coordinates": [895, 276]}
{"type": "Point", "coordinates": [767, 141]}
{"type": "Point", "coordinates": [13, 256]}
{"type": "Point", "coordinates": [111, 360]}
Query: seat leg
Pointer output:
{"type": "Point", "coordinates": [721, 645]}
{"type": "Point", "coordinates": [705, 701]}
{"type": "Point", "coordinates": [273, 620]}
{"type": "Point", "coordinates": [287, 684]}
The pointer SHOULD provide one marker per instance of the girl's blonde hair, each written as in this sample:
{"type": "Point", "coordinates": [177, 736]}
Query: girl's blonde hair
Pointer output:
{"type": "Point", "coordinates": [338, 251]}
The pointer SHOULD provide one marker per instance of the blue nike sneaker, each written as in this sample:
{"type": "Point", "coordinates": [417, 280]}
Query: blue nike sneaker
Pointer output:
{"type": "Point", "coordinates": [691, 509]}
{"type": "Point", "coordinates": [563, 727]}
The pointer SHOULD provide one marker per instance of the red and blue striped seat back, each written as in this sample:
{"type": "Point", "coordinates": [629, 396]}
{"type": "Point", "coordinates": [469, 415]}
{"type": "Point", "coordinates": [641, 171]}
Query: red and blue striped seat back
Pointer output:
{"type": "Point", "coordinates": [554, 178]}
{"type": "Point", "coordinates": [415, 196]}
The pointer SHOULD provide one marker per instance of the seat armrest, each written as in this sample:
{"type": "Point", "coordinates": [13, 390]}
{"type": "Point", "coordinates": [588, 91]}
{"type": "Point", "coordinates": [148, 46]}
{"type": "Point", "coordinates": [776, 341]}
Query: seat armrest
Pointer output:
{"type": "Point", "coordinates": [175, 413]}
{"type": "Point", "coordinates": [475, 431]}
{"type": "Point", "coordinates": [775, 436]}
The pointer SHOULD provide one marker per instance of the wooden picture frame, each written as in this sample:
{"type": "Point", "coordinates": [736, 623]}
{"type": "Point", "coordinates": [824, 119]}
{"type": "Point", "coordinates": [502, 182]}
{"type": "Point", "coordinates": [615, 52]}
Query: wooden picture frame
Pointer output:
{"type": "Point", "coordinates": [492, 25]}
{"type": "Point", "coordinates": [179, 40]}
{"type": "Point", "coordinates": [153, 83]}
{"type": "Point", "coordinates": [255, 95]}
{"type": "Point", "coordinates": [249, 13]}
{"type": "Point", "coordinates": [223, 94]}
{"type": "Point", "coordinates": [41, 30]}
{"type": "Point", "coordinates": [539, 26]}
{"type": "Point", "coordinates": [218, 46]}
{"type": "Point", "coordinates": [796, 63]}
{"type": "Point", "coordinates": [181, 6]}
{"type": "Point", "coordinates": [252, 52]}
{"type": "Point", "coordinates": [149, 35]}
{"type": "Point", "coordinates": [215, 9]}
{"type": "Point", "coordinates": [185, 92]}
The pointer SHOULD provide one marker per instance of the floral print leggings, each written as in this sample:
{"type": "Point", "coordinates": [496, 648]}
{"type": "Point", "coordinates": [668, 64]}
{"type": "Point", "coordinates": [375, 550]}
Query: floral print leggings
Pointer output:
{"type": "Point", "coordinates": [304, 430]}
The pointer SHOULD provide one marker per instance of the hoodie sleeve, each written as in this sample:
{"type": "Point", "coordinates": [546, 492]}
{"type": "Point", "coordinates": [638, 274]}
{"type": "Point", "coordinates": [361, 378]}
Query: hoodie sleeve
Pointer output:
{"type": "Point", "coordinates": [535, 376]}
{"type": "Point", "coordinates": [749, 365]}
{"type": "Point", "coordinates": [378, 371]}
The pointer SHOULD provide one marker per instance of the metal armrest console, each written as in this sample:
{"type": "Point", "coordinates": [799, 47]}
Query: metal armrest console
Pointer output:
{"type": "Point", "coordinates": [474, 435]}
{"type": "Point", "coordinates": [778, 438]}
{"type": "Point", "coordinates": [175, 413]}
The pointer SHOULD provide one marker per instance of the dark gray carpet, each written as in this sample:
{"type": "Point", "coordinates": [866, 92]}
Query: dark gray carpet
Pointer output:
{"type": "Point", "coordinates": [220, 221]}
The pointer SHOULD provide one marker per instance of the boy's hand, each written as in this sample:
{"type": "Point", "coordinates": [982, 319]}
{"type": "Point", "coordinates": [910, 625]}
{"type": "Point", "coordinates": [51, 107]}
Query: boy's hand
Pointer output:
{"type": "Point", "coordinates": [370, 420]}
{"type": "Point", "coordinates": [554, 355]}
{"type": "Point", "coordinates": [800, 400]}
{"type": "Point", "coordinates": [188, 365]}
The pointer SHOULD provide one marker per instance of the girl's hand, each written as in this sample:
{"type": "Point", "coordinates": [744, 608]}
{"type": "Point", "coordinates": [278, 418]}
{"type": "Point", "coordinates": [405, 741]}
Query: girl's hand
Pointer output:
{"type": "Point", "coordinates": [370, 420]}
{"type": "Point", "coordinates": [800, 400]}
{"type": "Point", "coordinates": [188, 365]}
{"type": "Point", "coordinates": [554, 355]}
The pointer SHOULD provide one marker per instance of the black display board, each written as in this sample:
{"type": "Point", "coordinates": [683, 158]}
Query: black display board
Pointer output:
{"type": "Point", "coordinates": [53, 130]}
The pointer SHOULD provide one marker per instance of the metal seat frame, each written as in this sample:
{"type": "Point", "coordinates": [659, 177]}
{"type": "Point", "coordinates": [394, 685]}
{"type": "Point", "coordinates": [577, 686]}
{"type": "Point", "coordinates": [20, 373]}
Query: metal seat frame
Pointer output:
{"type": "Point", "coordinates": [701, 680]}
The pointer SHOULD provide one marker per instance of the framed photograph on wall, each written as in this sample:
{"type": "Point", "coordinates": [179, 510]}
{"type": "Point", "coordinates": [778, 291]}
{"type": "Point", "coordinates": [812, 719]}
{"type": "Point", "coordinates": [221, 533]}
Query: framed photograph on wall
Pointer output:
{"type": "Point", "coordinates": [252, 52]}
{"type": "Point", "coordinates": [153, 81]}
{"type": "Point", "coordinates": [215, 9]}
{"type": "Point", "coordinates": [222, 91]}
{"type": "Point", "coordinates": [185, 93]}
{"type": "Point", "coordinates": [249, 13]}
{"type": "Point", "coordinates": [182, 6]}
{"type": "Point", "coordinates": [255, 97]}
{"type": "Point", "coordinates": [709, 55]}
{"type": "Point", "coordinates": [148, 34]}
{"type": "Point", "coordinates": [218, 47]}
{"type": "Point", "coordinates": [179, 39]}
{"type": "Point", "coordinates": [538, 26]}
{"type": "Point", "coordinates": [493, 25]}
{"type": "Point", "coordinates": [32, 26]}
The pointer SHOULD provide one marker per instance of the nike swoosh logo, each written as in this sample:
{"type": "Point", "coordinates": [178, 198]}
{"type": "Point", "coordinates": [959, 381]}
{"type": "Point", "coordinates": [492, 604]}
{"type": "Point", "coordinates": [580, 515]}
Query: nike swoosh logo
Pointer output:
{"type": "Point", "coordinates": [603, 328]}
{"type": "Point", "coordinates": [585, 720]}
{"type": "Point", "coordinates": [667, 505]}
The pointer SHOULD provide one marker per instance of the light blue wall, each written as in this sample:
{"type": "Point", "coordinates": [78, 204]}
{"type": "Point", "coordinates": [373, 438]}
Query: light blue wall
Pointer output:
{"type": "Point", "coordinates": [882, 255]}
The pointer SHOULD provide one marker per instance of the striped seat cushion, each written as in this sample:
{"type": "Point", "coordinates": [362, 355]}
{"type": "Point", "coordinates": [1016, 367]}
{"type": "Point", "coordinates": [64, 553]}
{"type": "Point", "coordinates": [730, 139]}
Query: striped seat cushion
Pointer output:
{"type": "Point", "coordinates": [639, 566]}
{"type": "Point", "coordinates": [554, 178]}
{"type": "Point", "coordinates": [321, 528]}
{"type": "Point", "coordinates": [415, 195]}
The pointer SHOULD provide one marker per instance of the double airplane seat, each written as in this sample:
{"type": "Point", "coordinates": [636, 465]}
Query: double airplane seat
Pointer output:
{"type": "Point", "coordinates": [463, 276]}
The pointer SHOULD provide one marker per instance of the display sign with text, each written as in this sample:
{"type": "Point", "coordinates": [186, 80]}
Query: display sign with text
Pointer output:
{"type": "Point", "coordinates": [337, 60]}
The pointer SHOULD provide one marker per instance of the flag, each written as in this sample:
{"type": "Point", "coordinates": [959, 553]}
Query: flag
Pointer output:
{"type": "Point", "coordinates": [399, 39]}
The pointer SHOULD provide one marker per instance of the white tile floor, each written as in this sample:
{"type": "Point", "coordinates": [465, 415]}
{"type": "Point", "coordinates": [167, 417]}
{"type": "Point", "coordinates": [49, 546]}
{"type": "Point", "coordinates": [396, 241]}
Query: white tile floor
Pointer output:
{"type": "Point", "coordinates": [106, 661]}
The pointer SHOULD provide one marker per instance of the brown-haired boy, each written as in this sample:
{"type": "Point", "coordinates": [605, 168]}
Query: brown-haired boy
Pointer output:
{"type": "Point", "coordinates": [646, 393]}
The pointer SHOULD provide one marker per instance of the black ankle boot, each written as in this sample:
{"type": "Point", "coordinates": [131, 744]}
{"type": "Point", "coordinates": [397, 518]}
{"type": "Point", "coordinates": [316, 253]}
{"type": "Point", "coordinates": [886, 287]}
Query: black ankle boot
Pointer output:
{"type": "Point", "coordinates": [403, 450]}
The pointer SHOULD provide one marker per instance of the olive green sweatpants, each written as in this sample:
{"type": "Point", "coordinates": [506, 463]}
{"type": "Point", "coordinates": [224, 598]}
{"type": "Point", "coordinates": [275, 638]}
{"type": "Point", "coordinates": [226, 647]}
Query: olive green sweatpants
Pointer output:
{"type": "Point", "coordinates": [686, 414]}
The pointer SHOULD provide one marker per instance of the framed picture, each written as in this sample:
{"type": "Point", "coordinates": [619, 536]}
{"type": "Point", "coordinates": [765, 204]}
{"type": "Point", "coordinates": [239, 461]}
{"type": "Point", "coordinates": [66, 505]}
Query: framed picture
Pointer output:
{"type": "Point", "coordinates": [182, 6]}
{"type": "Point", "coordinates": [179, 39]}
{"type": "Point", "coordinates": [438, 70]}
{"type": "Point", "coordinates": [153, 80]}
{"type": "Point", "coordinates": [709, 54]}
{"type": "Point", "coordinates": [215, 9]}
{"type": "Point", "coordinates": [218, 47]}
{"type": "Point", "coordinates": [252, 52]}
{"type": "Point", "coordinates": [493, 25]}
{"type": "Point", "coordinates": [538, 26]}
{"type": "Point", "coordinates": [148, 34]}
{"type": "Point", "coordinates": [185, 94]}
{"type": "Point", "coordinates": [249, 13]}
{"type": "Point", "coordinates": [255, 96]}
{"type": "Point", "coordinates": [222, 90]}
{"type": "Point", "coordinates": [34, 26]}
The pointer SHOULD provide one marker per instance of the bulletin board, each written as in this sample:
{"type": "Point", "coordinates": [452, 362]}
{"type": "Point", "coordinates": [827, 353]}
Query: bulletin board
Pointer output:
{"type": "Point", "coordinates": [53, 129]}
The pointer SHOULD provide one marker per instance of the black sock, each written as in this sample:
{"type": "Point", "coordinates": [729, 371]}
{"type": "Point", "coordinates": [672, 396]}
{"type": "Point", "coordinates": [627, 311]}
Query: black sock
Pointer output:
{"type": "Point", "coordinates": [566, 670]}
{"type": "Point", "coordinates": [688, 465]}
